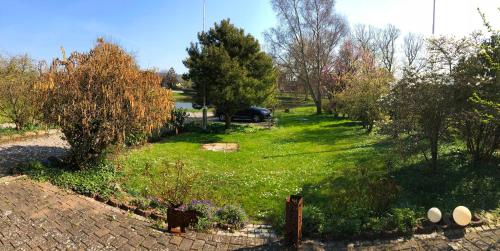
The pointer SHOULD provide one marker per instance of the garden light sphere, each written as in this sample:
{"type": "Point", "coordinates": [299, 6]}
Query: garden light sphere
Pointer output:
{"type": "Point", "coordinates": [434, 215]}
{"type": "Point", "coordinates": [462, 216]}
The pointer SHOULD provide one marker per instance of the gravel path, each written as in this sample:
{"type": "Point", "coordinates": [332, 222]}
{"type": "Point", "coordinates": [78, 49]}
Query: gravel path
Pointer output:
{"type": "Point", "coordinates": [30, 149]}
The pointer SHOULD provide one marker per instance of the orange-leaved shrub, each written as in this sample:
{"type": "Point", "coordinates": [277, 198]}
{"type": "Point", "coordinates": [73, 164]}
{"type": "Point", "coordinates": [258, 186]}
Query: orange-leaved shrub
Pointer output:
{"type": "Point", "coordinates": [101, 97]}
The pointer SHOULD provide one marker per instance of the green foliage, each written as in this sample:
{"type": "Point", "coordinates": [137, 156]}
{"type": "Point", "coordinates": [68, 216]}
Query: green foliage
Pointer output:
{"type": "Point", "coordinates": [230, 216]}
{"type": "Point", "coordinates": [177, 122]}
{"type": "Point", "coordinates": [136, 137]}
{"type": "Point", "coordinates": [420, 113]}
{"type": "Point", "coordinates": [206, 215]}
{"type": "Point", "coordinates": [402, 219]}
{"type": "Point", "coordinates": [99, 180]}
{"type": "Point", "coordinates": [231, 68]}
{"type": "Point", "coordinates": [26, 128]}
{"type": "Point", "coordinates": [364, 88]}
{"type": "Point", "coordinates": [170, 79]}
{"type": "Point", "coordinates": [205, 210]}
{"type": "Point", "coordinates": [313, 221]}
{"type": "Point", "coordinates": [19, 93]}
{"type": "Point", "coordinates": [204, 224]}
{"type": "Point", "coordinates": [477, 98]}
{"type": "Point", "coordinates": [141, 203]}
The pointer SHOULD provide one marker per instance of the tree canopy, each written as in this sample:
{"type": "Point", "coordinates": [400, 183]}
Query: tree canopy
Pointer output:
{"type": "Point", "coordinates": [229, 67]}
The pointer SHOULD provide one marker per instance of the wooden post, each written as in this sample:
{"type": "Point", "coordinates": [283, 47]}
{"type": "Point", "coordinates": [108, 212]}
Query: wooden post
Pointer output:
{"type": "Point", "coordinates": [293, 220]}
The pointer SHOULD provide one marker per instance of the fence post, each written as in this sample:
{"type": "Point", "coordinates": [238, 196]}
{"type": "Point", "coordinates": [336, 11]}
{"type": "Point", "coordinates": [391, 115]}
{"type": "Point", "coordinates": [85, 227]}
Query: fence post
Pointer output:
{"type": "Point", "coordinates": [293, 220]}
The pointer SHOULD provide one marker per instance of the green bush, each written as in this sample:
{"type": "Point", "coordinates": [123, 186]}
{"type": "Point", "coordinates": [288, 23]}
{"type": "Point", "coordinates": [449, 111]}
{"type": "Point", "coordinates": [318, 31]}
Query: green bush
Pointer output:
{"type": "Point", "coordinates": [177, 122]}
{"type": "Point", "coordinates": [376, 225]}
{"type": "Point", "coordinates": [100, 180]}
{"type": "Point", "coordinates": [206, 214]}
{"type": "Point", "coordinates": [136, 137]}
{"type": "Point", "coordinates": [230, 216]}
{"type": "Point", "coordinates": [402, 219]}
{"type": "Point", "coordinates": [141, 203]}
{"type": "Point", "coordinates": [204, 208]}
{"type": "Point", "coordinates": [203, 224]}
{"type": "Point", "coordinates": [313, 221]}
{"type": "Point", "coordinates": [348, 224]}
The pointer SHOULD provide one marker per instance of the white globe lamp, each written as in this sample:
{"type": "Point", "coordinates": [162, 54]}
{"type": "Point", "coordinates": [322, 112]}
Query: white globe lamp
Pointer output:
{"type": "Point", "coordinates": [462, 216]}
{"type": "Point", "coordinates": [434, 215]}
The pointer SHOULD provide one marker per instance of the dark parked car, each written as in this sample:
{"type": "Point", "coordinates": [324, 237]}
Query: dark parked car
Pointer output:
{"type": "Point", "coordinates": [254, 114]}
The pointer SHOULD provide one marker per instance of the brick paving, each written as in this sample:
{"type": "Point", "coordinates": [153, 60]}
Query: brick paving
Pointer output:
{"type": "Point", "coordinates": [39, 216]}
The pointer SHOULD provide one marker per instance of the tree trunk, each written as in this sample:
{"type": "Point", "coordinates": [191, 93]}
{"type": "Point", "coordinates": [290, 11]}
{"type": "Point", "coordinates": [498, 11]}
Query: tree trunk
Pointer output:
{"type": "Point", "coordinates": [318, 106]}
{"type": "Point", "coordinates": [369, 128]}
{"type": "Point", "coordinates": [434, 153]}
{"type": "Point", "coordinates": [227, 120]}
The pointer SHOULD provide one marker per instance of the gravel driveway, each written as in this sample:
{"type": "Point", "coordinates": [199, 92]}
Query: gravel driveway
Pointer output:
{"type": "Point", "coordinates": [38, 148]}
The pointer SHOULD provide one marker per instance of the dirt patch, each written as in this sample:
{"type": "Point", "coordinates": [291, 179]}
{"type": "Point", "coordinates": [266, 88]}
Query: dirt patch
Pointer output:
{"type": "Point", "coordinates": [221, 147]}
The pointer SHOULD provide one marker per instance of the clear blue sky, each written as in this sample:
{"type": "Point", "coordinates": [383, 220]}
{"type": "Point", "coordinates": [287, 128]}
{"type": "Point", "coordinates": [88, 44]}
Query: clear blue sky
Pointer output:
{"type": "Point", "coordinates": [158, 31]}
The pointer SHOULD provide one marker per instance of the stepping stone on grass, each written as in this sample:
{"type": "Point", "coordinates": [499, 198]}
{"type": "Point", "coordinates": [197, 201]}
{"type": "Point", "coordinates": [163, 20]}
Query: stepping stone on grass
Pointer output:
{"type": "Point", "coordinates": [221, 147]}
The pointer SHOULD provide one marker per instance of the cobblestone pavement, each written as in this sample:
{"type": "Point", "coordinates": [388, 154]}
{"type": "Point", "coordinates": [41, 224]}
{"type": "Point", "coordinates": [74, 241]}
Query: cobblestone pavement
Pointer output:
{"type": "Point", "coordinates": [40, 216]}
{"type": "Point", "coordinates": [32, 148]}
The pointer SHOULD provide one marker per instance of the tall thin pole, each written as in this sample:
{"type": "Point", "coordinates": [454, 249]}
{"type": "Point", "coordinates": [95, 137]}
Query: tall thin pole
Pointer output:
{"type": "Point", "coordinates": [205, 117]}
{"type": "Point", "coordinates": [433, 17]}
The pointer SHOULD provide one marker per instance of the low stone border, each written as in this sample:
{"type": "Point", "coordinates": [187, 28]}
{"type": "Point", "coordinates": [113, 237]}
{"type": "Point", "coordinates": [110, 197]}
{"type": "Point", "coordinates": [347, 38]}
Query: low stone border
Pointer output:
{"type": "Point", "coordinates": [27, 135]}
{"type": "Point", "coordinates": [266, 232]}
{"type": "Point", "coordinates": [250, 230]}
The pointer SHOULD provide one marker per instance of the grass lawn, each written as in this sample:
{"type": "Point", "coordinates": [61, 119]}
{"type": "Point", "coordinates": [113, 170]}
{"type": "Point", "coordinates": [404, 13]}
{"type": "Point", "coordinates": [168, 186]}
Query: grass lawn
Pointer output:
{"type": "Point", "coordinates": [184, 96]}
{"type": "Point", "coordinates": [352, 182]}
{"type": "Point", "coordinates": [302, 151]}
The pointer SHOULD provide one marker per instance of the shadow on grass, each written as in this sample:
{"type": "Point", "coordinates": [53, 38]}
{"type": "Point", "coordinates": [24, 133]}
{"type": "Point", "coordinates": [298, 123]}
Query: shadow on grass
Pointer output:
{"type": "Point", "coordinates": [319, 129]}
{"type": "Point", "coordinates": [345, 124]}
{"type": "Point", "coordinates": [366, 198]}
{"type": "Point", "coordinates": [456, 182]}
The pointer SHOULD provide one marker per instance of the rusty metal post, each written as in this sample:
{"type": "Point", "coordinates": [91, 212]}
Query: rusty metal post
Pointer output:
{"type": "Point", "coordinates": [293, 220]}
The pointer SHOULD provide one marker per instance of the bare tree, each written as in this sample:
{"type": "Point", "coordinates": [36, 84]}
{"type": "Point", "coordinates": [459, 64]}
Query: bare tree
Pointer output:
{"type": "Point", "coordinates": [386, 43]}
{"type": "Point", "coordinates": [412, 48]}
{"type": "Point", "coordinates": [305, 40]}
{"type": "Point", "coordinates": [365, 37]}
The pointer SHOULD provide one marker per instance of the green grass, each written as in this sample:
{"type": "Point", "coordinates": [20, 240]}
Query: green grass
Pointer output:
{"type": "Point", "coordinates": [183, 96]}
{"type": "Point", "coordinates": [30, 128]}
{"type": "Point", "coordinates": [341, 171]}
{"type": "Point", "coordinates": [304, 149]}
